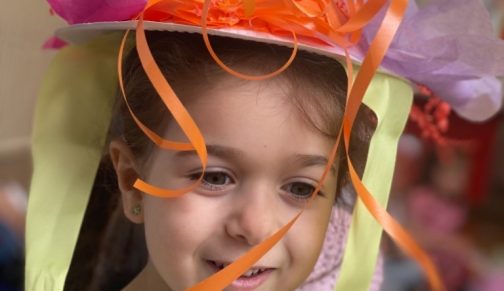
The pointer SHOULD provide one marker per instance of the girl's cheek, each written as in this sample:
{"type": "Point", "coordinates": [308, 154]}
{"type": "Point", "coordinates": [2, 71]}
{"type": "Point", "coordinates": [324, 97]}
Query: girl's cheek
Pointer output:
{"type": "Point", "coordinates": [311, 232]}
{"type": "Point", "coordinates": [189, 213]}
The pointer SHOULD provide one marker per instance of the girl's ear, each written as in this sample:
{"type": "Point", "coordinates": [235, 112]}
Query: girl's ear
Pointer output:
{"type": "Point", "coordinates": [125, 167]}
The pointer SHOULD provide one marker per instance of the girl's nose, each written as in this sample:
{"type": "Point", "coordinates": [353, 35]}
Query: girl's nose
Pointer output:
{"type": "Point", "coordinates": [254, 216]}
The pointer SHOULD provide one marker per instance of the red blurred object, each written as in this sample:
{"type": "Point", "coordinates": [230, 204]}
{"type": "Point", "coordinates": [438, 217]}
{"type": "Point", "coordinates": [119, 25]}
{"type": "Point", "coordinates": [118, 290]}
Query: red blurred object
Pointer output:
{"type": "Point", "coordinates": [482, 157]}
{"type": "Point", "coordinates": [432, 120]}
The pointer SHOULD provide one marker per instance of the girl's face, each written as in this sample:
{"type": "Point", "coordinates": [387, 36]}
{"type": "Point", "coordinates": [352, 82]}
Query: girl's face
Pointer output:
{"type": "Point", "coordinates": [264, 162]}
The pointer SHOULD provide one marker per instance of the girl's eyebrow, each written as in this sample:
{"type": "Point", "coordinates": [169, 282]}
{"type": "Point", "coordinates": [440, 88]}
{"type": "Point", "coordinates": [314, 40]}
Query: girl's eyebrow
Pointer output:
{"type": "Point", "coordinates": [230, 153]}
{"type": "Point", "coordinates": [219, 151]}
{"type": "Point", "coordinates": [306, 161]}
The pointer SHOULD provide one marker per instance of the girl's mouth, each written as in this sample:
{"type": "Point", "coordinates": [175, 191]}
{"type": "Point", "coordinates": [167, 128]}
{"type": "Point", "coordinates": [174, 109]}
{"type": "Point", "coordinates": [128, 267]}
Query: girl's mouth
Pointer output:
{"type": "Point", "coordinates": [249, 280]}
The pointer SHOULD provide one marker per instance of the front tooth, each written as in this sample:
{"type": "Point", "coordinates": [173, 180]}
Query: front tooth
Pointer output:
{"type": "Point", "coordinates": [249, 273]}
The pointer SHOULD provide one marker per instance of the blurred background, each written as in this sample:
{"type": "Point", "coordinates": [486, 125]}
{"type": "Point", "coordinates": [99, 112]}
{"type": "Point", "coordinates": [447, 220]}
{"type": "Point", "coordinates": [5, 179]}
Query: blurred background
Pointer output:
{"type": "Point", "coordinates": [24, 26]}
{"type": "Point", "coordinates": [448, 190]}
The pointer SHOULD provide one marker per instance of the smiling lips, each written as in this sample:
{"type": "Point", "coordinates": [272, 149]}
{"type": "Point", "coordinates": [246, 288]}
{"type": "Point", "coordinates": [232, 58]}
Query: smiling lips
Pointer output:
{"type": "Point", "coordinates": [250, 280]}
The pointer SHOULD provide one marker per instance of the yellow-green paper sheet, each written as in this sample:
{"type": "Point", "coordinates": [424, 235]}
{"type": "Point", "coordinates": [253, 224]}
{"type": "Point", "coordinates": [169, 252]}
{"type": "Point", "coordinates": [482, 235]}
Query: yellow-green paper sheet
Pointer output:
{"type": "Point", "coordinates": [71, 122]}
{"type": "Point", "coordinates": [390, 98]}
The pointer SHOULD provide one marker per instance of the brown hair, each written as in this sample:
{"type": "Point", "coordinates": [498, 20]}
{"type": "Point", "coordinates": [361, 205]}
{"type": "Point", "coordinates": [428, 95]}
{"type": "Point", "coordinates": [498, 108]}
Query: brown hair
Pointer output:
{"type": "Point", "coordinates": [317, 88]}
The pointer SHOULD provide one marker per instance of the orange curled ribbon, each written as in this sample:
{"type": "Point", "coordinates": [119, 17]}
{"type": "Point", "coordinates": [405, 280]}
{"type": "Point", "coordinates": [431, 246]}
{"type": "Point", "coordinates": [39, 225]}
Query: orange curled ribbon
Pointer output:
{"type": "Point", "coordinates": [332, 23]}
{"type": "Point", "coordinates": [175, 107]}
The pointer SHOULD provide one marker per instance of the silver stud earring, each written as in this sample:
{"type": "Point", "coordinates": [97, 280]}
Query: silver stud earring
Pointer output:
{"type": "Point", "coordinates": [136, 210]}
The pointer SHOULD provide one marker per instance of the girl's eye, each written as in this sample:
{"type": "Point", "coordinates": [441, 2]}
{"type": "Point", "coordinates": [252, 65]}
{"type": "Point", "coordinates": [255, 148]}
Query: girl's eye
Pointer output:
{"type": "Point", "coordinates": [214, 181]}
{"type": "Point", "coordinates": [217, 178]}
{"type": "Point", "coordinates": [299, 190]}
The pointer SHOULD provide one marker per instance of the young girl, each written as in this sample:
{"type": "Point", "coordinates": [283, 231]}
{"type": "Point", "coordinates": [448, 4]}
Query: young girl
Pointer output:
{"type": "Point", "coordinates": [268, 144]}
{"type": "Point", "coordinates": [252, 178]}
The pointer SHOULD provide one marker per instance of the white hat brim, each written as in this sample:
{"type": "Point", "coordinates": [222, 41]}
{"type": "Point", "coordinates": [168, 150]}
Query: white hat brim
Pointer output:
{"type": "Point", "coordinates": [81, 33]}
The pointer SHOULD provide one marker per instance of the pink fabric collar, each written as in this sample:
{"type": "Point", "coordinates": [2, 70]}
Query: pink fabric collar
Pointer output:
{"type": "Point", "coordinates": [326, 270]}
